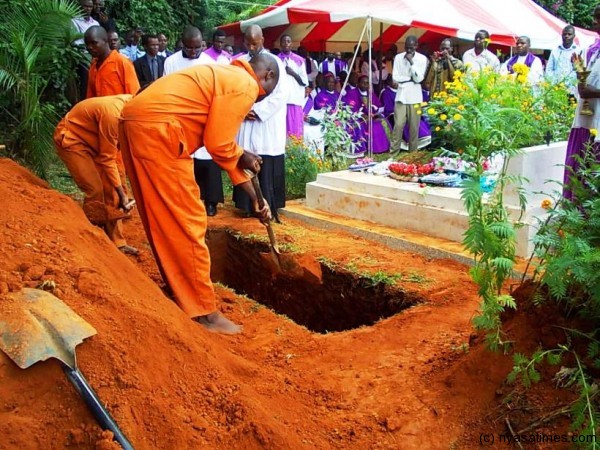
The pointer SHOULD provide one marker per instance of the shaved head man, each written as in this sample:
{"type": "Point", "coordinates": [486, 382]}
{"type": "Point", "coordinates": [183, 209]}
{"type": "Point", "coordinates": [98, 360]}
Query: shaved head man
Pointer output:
{"type": "Point", "coordinates": [160, 128]}
{"type": "Point", "coordinates": [525, 57]}
{"type": "Point", "coordinates": [254, 40]}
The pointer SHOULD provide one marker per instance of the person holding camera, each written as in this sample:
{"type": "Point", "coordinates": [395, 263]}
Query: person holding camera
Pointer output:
{"type": "Point", "coordinates": [100, 14]}
{"type": "Point", "coordinates": [441, 69]}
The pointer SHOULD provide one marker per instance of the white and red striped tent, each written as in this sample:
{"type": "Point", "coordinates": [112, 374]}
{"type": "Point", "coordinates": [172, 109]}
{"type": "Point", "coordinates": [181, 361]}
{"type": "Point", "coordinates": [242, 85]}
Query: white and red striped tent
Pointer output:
{"type": "Point", "coordinates": [320, 25]}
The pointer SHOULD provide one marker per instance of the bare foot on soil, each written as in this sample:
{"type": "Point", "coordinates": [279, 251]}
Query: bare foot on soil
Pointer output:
{"type": "Point", "coordinates": [218, 323]}
{"type": "Point", "coordinates": [129, 250]}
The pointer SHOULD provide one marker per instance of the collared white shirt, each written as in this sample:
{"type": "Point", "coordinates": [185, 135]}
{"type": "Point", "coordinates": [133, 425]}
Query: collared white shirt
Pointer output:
{"type": "Point", "coordinates": [177, 62]}
{"type": "Point", "coordinates": [409, 78]}
{"type": "Point", "coordinates": [82, 25]}
{"type": "Point", "coordinates": [484, 59]}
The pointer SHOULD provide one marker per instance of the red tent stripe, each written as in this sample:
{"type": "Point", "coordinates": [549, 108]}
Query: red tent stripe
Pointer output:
{"type": "Point", "coordinates": [304, 16]}
{"type": "Point", "coordinates": [391, 35]}
{"type": "Point", "coordinates": [320, 34]}
{"type": "Point", "coordinates": [272, 34]}
{"type": "Point", "coordinates": [435, 28]}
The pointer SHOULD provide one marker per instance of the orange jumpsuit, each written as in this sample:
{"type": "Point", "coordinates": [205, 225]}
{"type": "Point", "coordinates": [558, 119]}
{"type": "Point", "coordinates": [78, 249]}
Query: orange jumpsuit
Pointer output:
{"type": "Point", "coordinates": [160, 127]}
{"type": "Point", "coordinates": [116, 75]}
{"type": "Point", "coordinates": [86, 141]}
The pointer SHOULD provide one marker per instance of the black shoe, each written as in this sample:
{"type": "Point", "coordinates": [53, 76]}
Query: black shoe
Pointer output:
{"type": "Point", "coordinates": [211, 209]}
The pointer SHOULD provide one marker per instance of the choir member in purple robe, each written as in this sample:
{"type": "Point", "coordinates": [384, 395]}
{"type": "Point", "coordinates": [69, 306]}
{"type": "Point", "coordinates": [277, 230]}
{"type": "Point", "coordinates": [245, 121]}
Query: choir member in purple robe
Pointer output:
{"type": "Point", "coordinates": [358, 100]}
{"type": "Point", "coordinates": [328, 97]}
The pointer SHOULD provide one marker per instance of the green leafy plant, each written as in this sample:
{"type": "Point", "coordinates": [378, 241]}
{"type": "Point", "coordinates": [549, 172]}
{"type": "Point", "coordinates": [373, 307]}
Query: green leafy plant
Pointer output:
{"type": "Point", "coordinates": [483, 116]}
{"type": "Point", "coordinates": [567, 245]}
{"type": "Point", "coordinates": [338, 126]}
{"type": "Point", "coordinates": [584, 410]}
{"type": "Point", "coordinates": [28, 74]}
{"type": "Point", "coordinates": [301, 166]}
{"type": "Point", "coordinates": [488, 106]}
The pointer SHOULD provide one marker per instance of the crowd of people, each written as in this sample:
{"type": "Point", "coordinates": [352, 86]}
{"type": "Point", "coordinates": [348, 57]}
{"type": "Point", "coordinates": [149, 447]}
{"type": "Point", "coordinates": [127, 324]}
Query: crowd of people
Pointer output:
{"type": "Point", "coordinates": [170, 122]}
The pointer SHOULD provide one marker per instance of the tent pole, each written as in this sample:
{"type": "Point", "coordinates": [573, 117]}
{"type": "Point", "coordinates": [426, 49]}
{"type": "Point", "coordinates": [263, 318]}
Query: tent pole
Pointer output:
{"type": "Point", "coordinates": [362, 34]}
{"type": "Point", "coordinates": [370, 93]}
{"type": "Point", "coordinates": [380, 59]}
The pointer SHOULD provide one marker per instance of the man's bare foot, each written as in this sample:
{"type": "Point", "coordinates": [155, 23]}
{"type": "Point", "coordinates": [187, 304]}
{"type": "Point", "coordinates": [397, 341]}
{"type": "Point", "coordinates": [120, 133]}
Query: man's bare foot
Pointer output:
{"type": "Point", "coordinates": [129, 250]}
{"type": "Point", "coordinates": [218, 323]}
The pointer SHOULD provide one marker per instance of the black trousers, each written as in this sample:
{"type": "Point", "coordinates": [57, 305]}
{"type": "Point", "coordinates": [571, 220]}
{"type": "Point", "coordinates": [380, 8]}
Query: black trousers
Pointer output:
{"type": "Point", "coordinates": [272, 184]}
{"type": "Point", "coordinates": [208, 176]}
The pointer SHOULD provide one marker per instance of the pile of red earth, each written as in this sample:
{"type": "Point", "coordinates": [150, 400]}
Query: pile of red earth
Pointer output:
{"type": "Point", "coordinates": [409, 381]}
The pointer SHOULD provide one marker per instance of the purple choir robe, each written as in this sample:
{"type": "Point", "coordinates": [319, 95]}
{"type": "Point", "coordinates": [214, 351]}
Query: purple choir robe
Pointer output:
{"type": "Point", "coordinates": [380, 128]}
{"type": "Point", "coordinates": [326, 99]}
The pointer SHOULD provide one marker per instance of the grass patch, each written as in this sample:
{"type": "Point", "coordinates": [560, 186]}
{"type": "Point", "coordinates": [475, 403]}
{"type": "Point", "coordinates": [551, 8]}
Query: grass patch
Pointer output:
{"type": "Point", "coordinates": [61, 180]}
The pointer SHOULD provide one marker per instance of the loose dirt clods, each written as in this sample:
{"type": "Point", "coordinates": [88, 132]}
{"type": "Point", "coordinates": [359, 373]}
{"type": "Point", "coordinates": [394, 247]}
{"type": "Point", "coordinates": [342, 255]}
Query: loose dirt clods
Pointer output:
{"type": "Point", "coordinates": [404, 382]}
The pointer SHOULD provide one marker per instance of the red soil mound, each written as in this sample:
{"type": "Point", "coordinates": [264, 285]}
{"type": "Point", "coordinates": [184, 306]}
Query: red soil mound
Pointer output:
{"type": "Point", "coordinates": [409, 381]}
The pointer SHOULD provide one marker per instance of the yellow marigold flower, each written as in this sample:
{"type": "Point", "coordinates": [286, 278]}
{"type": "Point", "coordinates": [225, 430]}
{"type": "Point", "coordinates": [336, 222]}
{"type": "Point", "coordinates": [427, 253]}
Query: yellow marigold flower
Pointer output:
{"type": "Point", "coordinates": [419, 111]}
{"type": "Point", "coordinates": [457, 116]}
{"type": "Point", "coordinates": [423, 103]}
{"type": "Point", "coordinates": [461, 107]}
{"type": "Point", "coordinates": [457, 74]}
{"type": "Point", "coordinates": [431, 111]}
{"type": "Point", "coordinates": [546, 203]}
{"type": "Point", "coordinates": [593, 132]}
{"type": "Point", "coordinates": [437, 128]}
{"type": "Point", "coordinates": [416, 105]}
{"type": "Point", "coordinates": [443, 116]}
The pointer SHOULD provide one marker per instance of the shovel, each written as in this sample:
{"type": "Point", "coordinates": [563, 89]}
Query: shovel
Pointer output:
{"type": "Point", "coordinates": [36, 326]}
{"type": "Point", "coordinates": [278, 263]}
{"type": "Point", "coordinates": [275, 253]}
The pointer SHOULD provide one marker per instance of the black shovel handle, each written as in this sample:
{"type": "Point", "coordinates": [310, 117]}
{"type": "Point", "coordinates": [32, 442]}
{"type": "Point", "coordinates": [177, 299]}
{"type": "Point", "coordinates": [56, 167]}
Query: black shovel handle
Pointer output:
{"type": "Point", "coordinates": [100, 413]}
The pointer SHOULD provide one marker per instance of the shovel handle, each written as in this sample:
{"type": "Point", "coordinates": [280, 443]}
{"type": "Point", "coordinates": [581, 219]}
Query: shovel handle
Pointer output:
{"type": "Point", "coordinates": [98, 410]}
{"type": "Point", "coordinates": [259, 194]}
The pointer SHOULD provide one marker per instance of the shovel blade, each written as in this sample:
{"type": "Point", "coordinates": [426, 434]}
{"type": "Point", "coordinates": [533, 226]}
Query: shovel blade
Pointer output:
{"type": "Point", "coordinates": [35, 326]}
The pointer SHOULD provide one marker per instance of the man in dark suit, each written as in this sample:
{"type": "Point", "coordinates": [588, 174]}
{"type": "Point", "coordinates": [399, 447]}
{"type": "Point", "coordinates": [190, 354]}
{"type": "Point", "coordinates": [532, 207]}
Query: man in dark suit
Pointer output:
{"type": "Point", "coordinates": [150, 66]}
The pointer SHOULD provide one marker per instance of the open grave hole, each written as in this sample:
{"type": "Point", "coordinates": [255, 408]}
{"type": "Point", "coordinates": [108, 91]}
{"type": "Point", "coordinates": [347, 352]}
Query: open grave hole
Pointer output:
{"type": "Point", "coordinates": [343, 301]}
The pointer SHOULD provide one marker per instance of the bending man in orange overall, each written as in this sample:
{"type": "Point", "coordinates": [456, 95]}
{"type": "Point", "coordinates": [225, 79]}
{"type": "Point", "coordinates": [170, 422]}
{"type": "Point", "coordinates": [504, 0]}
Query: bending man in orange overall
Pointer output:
{"type": "Point", "coordinates": [160, 127]}
{"type": "Point", "coordinates": [86, 141]}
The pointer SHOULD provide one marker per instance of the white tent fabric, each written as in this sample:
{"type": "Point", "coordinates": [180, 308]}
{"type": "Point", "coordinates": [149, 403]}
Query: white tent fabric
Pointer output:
{"type": "Point", "coordinates": [331, 24]}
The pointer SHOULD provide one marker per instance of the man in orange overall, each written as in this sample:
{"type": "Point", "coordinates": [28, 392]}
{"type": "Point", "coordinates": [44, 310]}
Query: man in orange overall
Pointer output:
{"type": "Point", "coordinates": [203, 105]}
{"type": "Point", "coordinates": [111, 73]}
{"type": "Point", "coordinates": [86, 141]}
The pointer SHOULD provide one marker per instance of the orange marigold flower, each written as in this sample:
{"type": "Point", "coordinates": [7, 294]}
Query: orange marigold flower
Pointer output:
{"type": "Point", "coordinates": [546, 203]}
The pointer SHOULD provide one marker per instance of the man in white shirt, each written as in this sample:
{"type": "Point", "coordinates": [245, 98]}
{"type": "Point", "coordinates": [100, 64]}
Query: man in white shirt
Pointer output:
{"type": "Point", "coordinates": [560, 67]}
{"type": "Point", "coordinates": [297, 82]}
{"type": "Point", "coordinates": [264, 133]}
{"type": "Point", "coordinates": [524, 56]}
{"type": "Point", "coordinates": [409, 71]}
{"type": "Point", "coordinates": [189, 54]}
{"type": "Point", "coordinates": [83, 23]}
{"type": "Point", "coordinates": [479, 57]}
